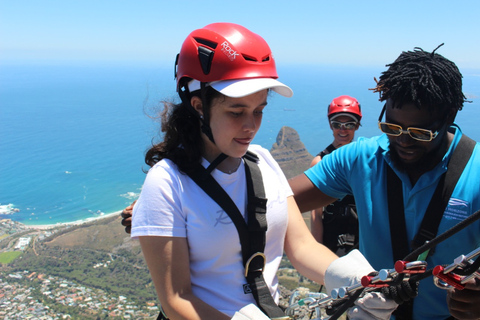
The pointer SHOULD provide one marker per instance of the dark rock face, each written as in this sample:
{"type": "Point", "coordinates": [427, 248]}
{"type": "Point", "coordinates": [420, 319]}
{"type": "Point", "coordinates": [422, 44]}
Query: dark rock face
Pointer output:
{"type": "Point", "coordinates": [290, 152]}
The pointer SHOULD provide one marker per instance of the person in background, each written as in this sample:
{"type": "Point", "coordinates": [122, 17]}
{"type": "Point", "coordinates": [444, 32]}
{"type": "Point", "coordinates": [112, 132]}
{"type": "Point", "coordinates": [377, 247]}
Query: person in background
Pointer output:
{"type": "Point", "coordinates": [192, 248]}
{"type": "Point", "coordinates": [398, 172]}
{"type": "Point", "coordinates": [336, 225]}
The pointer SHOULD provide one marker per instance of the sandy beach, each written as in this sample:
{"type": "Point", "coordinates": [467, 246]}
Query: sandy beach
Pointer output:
{"type": "Point", "coordinates": [77, 222]}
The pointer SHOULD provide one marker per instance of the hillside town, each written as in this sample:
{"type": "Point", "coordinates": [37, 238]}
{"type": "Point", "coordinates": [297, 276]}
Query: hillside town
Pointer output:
{"type": "Point", "coordinates": [29, 295]}
{"type": "Point", "coordinates": [19, 299]}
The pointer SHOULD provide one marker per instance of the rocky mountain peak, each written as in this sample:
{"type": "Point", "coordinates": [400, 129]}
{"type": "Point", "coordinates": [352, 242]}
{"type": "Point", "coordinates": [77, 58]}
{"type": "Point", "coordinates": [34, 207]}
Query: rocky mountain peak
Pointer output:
{"type": "Point", "coordinates": [290, 152]}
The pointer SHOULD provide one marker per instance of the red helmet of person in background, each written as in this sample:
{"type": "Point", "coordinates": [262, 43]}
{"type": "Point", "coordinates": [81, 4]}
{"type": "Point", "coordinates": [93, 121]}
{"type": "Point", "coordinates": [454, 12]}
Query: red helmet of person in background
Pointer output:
{"type": "Point", "coordinates": [224, 51]}
{"type": "Point", "coordinates": [345, 104]}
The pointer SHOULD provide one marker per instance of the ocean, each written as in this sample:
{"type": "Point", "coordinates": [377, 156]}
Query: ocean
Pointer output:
{"type": "Point", "coordinates": [73, 137]}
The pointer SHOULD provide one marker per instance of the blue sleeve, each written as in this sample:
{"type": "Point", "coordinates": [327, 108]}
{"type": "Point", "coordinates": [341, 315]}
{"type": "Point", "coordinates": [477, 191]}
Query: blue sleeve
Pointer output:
{"type": "Point", "coordinates": [333, 173]}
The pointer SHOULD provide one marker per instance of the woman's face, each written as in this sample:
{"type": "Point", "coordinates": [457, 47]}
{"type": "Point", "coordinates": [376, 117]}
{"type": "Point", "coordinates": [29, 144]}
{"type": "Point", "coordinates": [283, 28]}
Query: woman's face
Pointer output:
{"type": "Point", "coordinates": [343, 136]}
{"type": "Point", "coordinates": [234, 123]}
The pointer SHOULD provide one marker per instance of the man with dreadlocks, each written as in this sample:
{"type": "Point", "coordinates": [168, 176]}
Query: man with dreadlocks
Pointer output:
{"type": "Point", "coordinates": [393, 178]}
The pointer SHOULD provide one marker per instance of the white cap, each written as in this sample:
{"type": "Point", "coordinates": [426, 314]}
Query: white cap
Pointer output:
{"type": "Point", "coordinates": [243, 87]}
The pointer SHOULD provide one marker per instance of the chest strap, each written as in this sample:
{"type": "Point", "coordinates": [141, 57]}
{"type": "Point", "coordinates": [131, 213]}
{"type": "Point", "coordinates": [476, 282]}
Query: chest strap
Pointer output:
{"type": "Point", "coordinates": [252, 235]}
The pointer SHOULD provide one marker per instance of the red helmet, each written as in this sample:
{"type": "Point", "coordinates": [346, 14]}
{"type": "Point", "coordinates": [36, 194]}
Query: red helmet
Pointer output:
{"type": "Point", "coordinates": [224, 51]}
{"type": "Point", "coordinates": [345, 104]}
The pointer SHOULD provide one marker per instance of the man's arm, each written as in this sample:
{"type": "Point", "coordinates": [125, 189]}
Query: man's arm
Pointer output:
{"type": "Point", "coordinates": [307, 196]}
{"type": "Point", "coordinates": [127, 217]}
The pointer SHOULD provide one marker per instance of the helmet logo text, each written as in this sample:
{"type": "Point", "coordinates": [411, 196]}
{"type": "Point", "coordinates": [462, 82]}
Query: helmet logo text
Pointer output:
{"type": "Point", "coordinates": [229, 52]}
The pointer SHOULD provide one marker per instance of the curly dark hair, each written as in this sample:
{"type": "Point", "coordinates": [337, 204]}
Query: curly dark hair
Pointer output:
{"type": "Point", "coordinates": [424, 79]}
{"type": "Point", "coordinates": [182, 142]}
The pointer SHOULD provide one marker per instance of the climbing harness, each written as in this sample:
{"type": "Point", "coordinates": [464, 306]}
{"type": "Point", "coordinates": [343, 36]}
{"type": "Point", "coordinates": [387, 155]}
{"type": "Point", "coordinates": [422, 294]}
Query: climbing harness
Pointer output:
{"type": "Point", "coordinates": [411, 269]}
{"type": "Point", "coordinates": [433, 215]}
{"type": "Point", "coordinates": [340, 221]}
{"type": "Point", "coordinates": [252, 235]}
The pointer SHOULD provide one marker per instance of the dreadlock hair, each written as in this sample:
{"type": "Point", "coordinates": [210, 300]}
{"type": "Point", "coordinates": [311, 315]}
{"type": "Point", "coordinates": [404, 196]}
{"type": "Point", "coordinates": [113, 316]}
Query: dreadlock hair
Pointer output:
{"type": "Point", "coordinates": [182, 141]}
{"type": "Point", "coordinates": [424, 79]}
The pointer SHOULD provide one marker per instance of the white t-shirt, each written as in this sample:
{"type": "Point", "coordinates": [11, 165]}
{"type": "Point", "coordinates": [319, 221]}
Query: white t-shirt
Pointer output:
{"type": "Point", "coordinates": [171, 204]}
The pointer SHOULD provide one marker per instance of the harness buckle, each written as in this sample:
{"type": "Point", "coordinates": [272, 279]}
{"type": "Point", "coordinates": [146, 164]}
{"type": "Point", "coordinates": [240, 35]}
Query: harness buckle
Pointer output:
{"type": "Point", "coordinates": [258, 254]}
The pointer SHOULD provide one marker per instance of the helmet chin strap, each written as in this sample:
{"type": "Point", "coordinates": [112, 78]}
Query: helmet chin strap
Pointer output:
{"type": "Point", "coordinates": [185, 96]}
{"type": "Point", "coordinates": [206, 118]}
{"type": "Point", "coordinates": [208, 131]}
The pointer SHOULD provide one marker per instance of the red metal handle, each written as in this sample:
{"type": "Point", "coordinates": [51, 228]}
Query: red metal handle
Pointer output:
{"type": "Point", "coordinates": [410, 267]}
{"type": "Point", "coordinates": [450, 278]}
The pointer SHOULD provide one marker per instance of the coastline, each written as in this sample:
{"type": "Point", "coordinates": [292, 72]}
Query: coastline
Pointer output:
{"type": "Point", "coordinates": [72, 223]}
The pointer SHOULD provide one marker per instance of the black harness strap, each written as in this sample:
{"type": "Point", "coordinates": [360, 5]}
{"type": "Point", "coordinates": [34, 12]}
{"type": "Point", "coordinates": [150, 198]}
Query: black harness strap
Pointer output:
{"type": "Point", "coordinates": [457, 163]}
{"type": "Point", "coordinates": [398, 229]}
{"type": "Point", "coordinates": [252, 235]}
{"type": "Point", "coordinates": [327, 150]}
{"type": "Point", "coordinates": [433, 215]}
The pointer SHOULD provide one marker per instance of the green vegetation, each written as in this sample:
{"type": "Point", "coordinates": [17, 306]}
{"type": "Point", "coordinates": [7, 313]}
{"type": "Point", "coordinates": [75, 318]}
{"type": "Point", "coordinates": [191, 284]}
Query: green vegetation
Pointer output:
{"type": "Point", "coordinates": [292, 282]}
{"type": "Point", "coordinates": [74, 312]}
{"type": "Point", "coordinates": [7, 257]}
{"type": "Point", "coordinates": [96, 255]}
{"type": "Point", "coordinates": [122, 273]}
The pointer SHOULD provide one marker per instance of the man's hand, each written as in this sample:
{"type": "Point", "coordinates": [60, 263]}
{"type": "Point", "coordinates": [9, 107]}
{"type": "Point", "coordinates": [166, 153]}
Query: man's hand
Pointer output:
{"type": "Point", "coordinates": [127, 217]}
{"type": "Point", "coordinates": [465, 304]}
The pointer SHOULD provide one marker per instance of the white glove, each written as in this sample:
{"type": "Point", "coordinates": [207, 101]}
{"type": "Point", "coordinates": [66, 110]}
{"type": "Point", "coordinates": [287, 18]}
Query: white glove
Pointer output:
{"type": "Point", "coordinates": [372, 305]}
{"type": "Point", "coordinates": [349, 270]}
{"type": "Point", "coordinates": [250, 312]}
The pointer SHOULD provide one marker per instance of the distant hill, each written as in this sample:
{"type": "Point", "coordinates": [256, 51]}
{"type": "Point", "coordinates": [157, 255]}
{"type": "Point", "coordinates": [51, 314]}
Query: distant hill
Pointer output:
{"type": "Point", "coordinates": [105, 235]}
{"type": "Point", "coordinates": [290, 152]}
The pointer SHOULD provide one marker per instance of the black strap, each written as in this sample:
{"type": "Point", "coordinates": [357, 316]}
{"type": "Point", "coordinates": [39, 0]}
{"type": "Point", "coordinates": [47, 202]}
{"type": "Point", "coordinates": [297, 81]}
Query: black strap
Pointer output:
{"type": "Point", "coordinates": [433, 215]}
{"type": "Point", "coordinates": [162, 315]}
{"type": "Point", "coordinates": [327, 150]}
{"type": "Point", "coordinates": [398, 229]}
{"type": "Point", "coordinates": [252, 235]}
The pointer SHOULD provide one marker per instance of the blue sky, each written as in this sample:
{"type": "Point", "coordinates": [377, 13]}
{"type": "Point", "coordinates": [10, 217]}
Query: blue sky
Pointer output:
{"type": "Point", "coordinates": [318, 32]}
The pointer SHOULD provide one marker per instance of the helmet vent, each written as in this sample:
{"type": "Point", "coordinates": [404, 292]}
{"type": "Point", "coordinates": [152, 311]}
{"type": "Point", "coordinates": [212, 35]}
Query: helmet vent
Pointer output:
{"type": "Point", "coordinates": [207, 43]}
{"type": "Point", "coordinates": [248, 58]}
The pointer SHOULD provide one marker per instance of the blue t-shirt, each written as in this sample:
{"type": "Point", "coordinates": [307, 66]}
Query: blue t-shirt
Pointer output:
{"type": "Point", "coordinates": [359, 168]}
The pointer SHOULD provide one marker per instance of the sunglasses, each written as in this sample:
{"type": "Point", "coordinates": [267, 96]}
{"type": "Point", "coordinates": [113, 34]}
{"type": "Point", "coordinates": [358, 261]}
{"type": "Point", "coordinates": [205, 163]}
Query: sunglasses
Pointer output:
{"type": "Point", "coordinates": [344, 125]}
{"type": "Point", "coordinates": [396, 130]}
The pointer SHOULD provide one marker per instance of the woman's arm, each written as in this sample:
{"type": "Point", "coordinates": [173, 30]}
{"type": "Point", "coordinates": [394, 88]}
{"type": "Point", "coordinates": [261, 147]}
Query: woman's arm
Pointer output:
{"type": "Point", "coordinates": [168, 261]}
{"type": "Point", "coordinates": [309, 257]}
